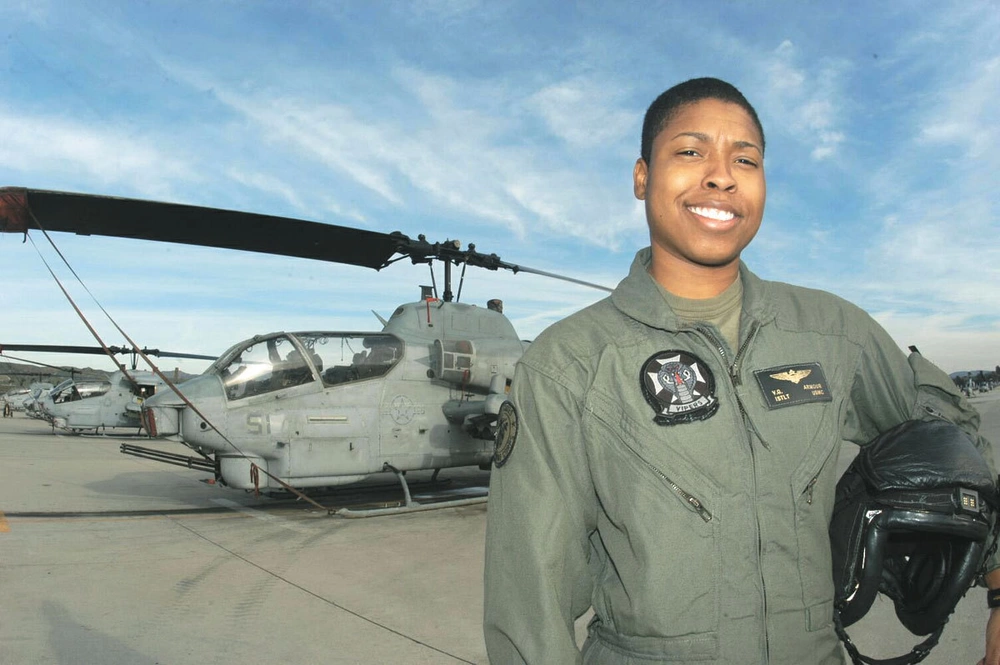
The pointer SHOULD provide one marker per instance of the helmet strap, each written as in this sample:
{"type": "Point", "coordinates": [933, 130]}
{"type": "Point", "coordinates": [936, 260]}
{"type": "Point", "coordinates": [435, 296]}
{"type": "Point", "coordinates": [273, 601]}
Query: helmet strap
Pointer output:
{"type": "Point", "coordinates": [916, 654]}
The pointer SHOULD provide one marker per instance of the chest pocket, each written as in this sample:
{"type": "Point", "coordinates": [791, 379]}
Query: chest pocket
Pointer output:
{"type": "Point", "coordinates": [657, 518]}
{"type": "Point", "coordinates": [645, 449]}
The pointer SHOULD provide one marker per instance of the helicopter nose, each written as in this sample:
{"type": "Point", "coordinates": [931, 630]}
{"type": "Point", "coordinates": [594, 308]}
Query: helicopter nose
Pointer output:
{"type": "Point", "coordinates": [162, 413]}
{"type": "Point", "coordinates": [160, 421]}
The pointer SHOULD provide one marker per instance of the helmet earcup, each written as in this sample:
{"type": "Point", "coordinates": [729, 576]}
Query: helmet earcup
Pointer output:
{"type": "Point", "coordinates": [937, 585]}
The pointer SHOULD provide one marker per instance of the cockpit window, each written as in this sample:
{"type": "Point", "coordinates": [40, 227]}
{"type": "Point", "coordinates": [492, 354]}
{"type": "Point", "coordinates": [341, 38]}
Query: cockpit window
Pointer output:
{"type": "Point", "coordinates": [345, 357]}
{"type": "Point", "coordinates": [263, 366]}
{"type": "Point", "coordinates": [80, 390]}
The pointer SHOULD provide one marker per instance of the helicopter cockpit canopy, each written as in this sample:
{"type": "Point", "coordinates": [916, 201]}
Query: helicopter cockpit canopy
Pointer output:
{"type": "Point", "coordinates": [78, 390]}
{"type": "Point", "coordinates": [267, 363]}
{"type": "Point", "coordinates": [62, 384]}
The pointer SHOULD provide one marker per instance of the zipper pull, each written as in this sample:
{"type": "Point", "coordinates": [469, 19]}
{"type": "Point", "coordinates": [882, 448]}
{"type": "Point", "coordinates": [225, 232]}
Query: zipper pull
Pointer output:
{"type": "Point", "coordinates": [930, 410]}
{"type": "Point", "coordinates": [809, 490]}
{"type": "Point", "coordinates": [696, 504]}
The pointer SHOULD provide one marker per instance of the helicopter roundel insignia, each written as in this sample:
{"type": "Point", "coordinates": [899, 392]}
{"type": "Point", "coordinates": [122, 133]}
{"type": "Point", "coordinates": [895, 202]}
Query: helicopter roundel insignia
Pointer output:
{"type": "Point", "coordinates": [679, 387]}
{"type": "Point", "coordinates": [506, 434]}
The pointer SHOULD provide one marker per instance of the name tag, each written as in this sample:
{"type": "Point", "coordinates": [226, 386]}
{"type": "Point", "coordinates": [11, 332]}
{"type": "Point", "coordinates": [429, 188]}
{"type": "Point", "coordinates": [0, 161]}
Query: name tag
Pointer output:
{"type": "Point", "coordinates": [793, 384]}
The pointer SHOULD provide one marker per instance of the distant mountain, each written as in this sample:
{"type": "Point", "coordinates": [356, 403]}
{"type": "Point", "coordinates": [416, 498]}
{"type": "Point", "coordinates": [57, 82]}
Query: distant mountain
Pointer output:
{"type": "Point", "coordinates": [17, 375]}
{"type": "Point", "coordinates": [14, 373]}
{"type": "Point", "coordinates": [966, 373]}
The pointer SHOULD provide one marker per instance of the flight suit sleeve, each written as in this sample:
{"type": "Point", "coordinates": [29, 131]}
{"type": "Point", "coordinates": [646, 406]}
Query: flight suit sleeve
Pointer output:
{"type": "Point", "coordinates": [540, 514]}
{"type": "Point", "coordinates": [890, 387]}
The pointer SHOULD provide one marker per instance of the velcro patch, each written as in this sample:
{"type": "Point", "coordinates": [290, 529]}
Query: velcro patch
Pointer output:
{"type": "Point", "coordinates": [679, 387]}
{"type": "Point", "coordinates": [506, 434]}
{"type": "Point", "coordinates": [793, 384]}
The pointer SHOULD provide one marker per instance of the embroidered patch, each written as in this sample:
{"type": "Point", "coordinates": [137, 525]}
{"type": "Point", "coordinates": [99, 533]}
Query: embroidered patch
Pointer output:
{"type": "Point", "coordinates": [679, 387]}
{"type": "Point", "coordinates": [793, 384]}
{"type": "Point", "coordinates": [506, 436]}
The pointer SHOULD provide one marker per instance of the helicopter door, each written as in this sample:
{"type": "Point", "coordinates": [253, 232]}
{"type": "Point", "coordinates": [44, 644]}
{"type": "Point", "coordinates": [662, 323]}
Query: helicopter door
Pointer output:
{"type": "Point", "coordinates": [338, 427]}
{"type": "Point", "coordinates": [267, 387]}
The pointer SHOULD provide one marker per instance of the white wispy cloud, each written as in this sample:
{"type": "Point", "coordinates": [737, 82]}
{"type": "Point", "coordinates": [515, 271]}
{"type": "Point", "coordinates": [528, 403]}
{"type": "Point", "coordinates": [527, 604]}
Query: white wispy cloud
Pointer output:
{"type": "Point", "coordinates": [935, 189]}
{"type": "Point", "coordinates": [61, 148]}
{"type": "Point", "coordinates": [585, 112]}
{"type": "Point", "coordinates": [455, 153]}
{"type": "Point", "coordinates": [455, 118]}
{"type": "Point", "coordinates": [805, 99]}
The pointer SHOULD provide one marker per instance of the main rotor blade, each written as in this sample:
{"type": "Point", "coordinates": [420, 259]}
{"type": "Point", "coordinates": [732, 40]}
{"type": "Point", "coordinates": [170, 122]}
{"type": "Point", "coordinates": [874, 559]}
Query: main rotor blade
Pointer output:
{"type": "Point", "coordinates": [87, 214]}
{"type": "Point", "coordinates": [562, 277]}
{"type": "Point", "coordinates": [30, 362]}
{"type": "Point", "coordinates": [97, 351]}
{"type": "Point", "coordinates": [52, 348]}
{"type": "Point", "coordinates": [164, 354]}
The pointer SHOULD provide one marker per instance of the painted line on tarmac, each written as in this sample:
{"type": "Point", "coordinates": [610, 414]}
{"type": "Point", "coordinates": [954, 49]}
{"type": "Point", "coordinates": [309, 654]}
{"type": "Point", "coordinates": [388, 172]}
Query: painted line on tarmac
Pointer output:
{"type": "Point", "coordinates": [262, 516]}
{"type": "Point", "coordinates": [4, 525]}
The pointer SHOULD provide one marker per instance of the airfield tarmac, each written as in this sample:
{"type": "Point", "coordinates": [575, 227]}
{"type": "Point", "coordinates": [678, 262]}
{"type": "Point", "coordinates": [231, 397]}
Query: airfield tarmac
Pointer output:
{"type": "Point", "coordinates": [107, 559]}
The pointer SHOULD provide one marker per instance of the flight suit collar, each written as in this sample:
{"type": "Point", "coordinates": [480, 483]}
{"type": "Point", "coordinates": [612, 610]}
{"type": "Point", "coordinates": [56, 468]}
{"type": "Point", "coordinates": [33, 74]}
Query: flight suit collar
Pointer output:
{"type": "Point", "coordinates": [638, 297]}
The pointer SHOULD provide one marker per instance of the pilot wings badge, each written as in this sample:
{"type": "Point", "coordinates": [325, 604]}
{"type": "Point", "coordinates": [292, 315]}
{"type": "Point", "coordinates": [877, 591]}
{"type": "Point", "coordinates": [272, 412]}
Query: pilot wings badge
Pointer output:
{"type": "Point", "coordinates": [679, 387]}
{"type": "Point", "coordinates": [793, 375]}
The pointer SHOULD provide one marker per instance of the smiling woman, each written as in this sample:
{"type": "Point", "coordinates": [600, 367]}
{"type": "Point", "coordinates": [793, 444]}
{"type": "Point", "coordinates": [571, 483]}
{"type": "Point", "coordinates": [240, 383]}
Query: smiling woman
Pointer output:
{"type": "Point", "coordinates": [704, 191]}
{"type": "Point", "coordinates": [754, 387]}
{"type": "Point", "coordinates": [515, 125]}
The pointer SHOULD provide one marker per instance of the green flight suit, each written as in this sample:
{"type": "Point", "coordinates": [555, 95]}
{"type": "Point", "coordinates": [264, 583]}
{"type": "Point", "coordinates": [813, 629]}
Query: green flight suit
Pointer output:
{"type": "Point", "coordinates": [702, 539]}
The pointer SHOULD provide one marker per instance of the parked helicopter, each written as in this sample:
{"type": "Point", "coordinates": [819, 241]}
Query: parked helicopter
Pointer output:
{"type": "Point", "coordinates": [79, 405]}
{"type": "Point", "coordinates": [319, 408]}
{"type": "Point", "coordinates": [14, 399]}
{"type": "Point", "coordinates": [25, 399]}
{"type": "Point", "coordinates": [33, 404]}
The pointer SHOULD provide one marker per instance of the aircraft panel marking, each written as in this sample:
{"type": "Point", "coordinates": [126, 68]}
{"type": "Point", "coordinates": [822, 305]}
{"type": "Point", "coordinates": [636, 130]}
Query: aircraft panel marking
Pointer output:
{"type": "Point", "coordinates": [328, 419]}
{"type": "Point", "coordinates": [403, 410]}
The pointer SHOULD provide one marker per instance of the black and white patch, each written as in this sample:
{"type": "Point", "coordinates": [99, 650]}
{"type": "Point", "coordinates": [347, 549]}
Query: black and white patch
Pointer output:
{"type": "Point", "coordinates": [506, 436]}
{"type": "Point", "coordinates": [679, 387]}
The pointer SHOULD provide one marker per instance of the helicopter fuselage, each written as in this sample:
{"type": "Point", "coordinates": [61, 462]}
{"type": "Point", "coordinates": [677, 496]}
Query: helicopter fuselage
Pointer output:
{"type": "Point", "coordinates": [94, 404]}
{"type": "Point", "coordinates": [330, 408]}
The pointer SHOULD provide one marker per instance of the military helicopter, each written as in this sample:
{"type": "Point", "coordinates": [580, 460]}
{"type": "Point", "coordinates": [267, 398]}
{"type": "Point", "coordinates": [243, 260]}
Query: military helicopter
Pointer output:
{"type": "Point", "coordinates": [79, 405]}
{"type": "Point", "coordinates": [26, 399]}
{"type": "Point", "coordinates": [319, 408]}
{"type": "Point", "coordinates": [33, 405]}
{"type": "Point", "coordinates": [76, 406]}
{"type": "Point", "coordinates": [16, 397]}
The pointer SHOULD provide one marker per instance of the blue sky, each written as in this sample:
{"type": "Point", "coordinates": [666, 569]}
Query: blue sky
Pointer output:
{"type": "Point", "coordinates": [511, 125]}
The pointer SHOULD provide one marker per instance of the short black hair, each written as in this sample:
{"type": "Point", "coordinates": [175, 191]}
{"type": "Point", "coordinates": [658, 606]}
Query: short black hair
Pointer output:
{"type": "Point", "coordinates": [665, 107]}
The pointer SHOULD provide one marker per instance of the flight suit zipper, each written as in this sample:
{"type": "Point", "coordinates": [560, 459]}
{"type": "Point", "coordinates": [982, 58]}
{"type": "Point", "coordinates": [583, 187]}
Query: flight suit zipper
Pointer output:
{"type": "Point", "coordinates": [734, 375]}
{"type": "Point", "coordinates": [687, 497]}
{"type": "Point", "coordinates": [735, 380]}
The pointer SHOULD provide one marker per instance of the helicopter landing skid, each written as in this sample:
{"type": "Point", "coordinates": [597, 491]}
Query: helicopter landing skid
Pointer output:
{"type": "Point", "coordinates": [409, 506]}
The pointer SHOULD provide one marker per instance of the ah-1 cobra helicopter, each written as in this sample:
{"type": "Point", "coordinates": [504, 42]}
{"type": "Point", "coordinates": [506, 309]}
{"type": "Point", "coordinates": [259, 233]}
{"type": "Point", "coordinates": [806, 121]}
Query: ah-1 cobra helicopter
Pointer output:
{"type": "Point", "coordinates": [319, 408]}
{"type": "Point", "coordinates": [79, 405]}
{"type": "Point", "coordinates": [26, 399]}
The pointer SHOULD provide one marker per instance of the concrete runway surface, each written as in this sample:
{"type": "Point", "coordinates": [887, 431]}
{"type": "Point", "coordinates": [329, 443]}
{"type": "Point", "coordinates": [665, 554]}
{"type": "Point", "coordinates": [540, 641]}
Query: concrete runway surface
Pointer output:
{"type": "Point", "coordinates": [107, 559]}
